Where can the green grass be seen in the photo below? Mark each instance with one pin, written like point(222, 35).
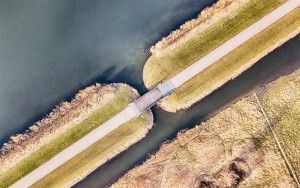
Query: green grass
point(97, 154)
point(164, 67)
point(160, 68)
point(46, 152)
point(223, 70)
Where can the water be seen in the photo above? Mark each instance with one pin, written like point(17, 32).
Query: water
point(51, 49)
point(282, 61)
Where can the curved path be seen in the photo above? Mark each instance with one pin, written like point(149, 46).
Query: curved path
point(149, 99)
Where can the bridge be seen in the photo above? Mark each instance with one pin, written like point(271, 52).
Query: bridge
point(153, 96)
point(146, 101)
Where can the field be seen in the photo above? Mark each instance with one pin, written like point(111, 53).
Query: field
point(235, 148)
point(120, 100)
point(285, 115)
point(160, 68)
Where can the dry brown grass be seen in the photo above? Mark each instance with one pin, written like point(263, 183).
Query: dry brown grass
point(233, 148)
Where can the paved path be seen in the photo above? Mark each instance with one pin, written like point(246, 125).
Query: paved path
point(149, 99)
point(65, 155)
point(233, 43)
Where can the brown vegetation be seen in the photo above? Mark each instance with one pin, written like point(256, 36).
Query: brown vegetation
point(62, 118)
point(197, 43)
point(205, 19)
point(232, 149)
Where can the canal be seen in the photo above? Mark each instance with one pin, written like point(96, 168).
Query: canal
point(51, 49)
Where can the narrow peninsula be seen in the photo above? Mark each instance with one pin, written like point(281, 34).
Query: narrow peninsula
point(214, 26)
point(66, 124)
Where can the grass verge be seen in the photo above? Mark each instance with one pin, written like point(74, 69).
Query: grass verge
point(239, 133)
point(46, 152)
point(97, 154)
point(234, 63)
point(164, 67)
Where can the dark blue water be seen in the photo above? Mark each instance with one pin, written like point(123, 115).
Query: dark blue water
point(51, 49)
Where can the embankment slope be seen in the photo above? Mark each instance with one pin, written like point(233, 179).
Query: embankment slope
point(198, 37)
point(69, 122)
point(232, 149)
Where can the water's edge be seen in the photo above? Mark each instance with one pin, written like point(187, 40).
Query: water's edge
point(52, 49)
point(282, 61)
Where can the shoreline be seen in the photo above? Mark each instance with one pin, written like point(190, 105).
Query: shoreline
point(37, 135)
point(190, 29)
point(234, 134)
point(184, 97)
point(67, 116)
point(205, 19)
point(164, 105)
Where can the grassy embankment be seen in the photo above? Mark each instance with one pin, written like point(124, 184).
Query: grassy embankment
point(97, 154)
point(235, 148)
point(163, 67)
point(94, 155)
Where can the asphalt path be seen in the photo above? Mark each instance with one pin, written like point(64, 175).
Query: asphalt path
point(67, 154)
point(165, 88)
point(233, 43)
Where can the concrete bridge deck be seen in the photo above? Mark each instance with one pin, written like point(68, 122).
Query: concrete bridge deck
point(151, 97)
